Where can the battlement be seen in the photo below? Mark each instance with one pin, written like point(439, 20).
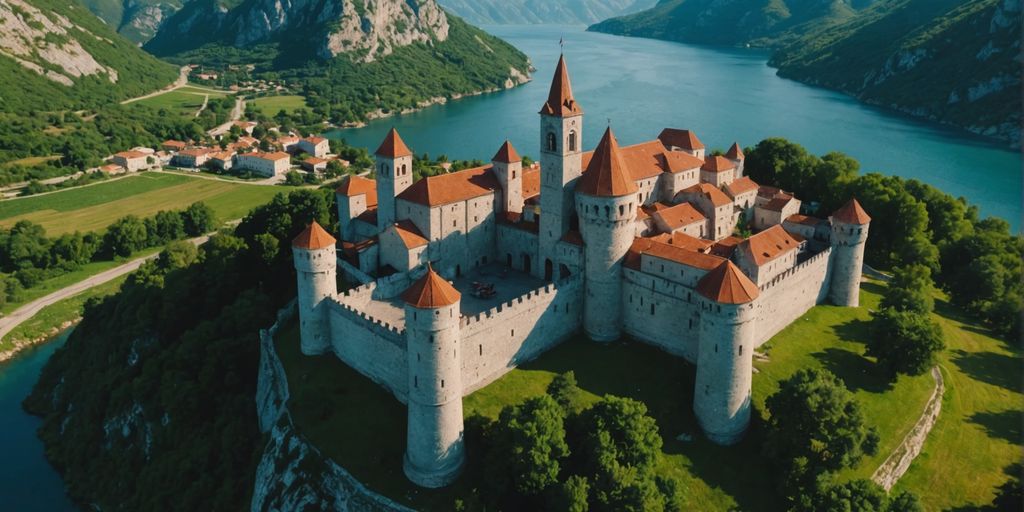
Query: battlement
point(526, 301)
point(812, 261)
point(361, 319)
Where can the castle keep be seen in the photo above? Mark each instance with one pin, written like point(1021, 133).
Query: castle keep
point(468, 274)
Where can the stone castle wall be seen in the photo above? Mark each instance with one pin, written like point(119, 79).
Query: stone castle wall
point(791, 294)
point(496, 341)
point(370, 346)
point(674, 325)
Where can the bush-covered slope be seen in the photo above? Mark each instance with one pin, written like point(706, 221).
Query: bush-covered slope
point(57, 55)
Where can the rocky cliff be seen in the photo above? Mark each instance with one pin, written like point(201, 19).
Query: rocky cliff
point(542, 11)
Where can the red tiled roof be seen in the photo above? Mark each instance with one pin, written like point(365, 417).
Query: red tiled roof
point(357, 185)
point(506, 154)
point(410, 234)
point(666, 251)
point(770, 192)
point(641, 214)
point(851, 213)
point(769, 244)
point(131, 154)
point(196, 152)
point(431, 291)
point(452, 187)
point(531, 182)
point(678, 161)
point(685, 139)
point(174, 143)
point(314, 161)
point(314, 140)
point(313, 237)
point(393, 146)
point(606, 174)
point(692, 243)
point(734, 153)
point(740, 186)
point(717, 197)
point(273, 157)
point(728, 285)
point(726, 246)
point(560, 100)
point(796, 218)
point(369, 216)
point(717, 164)
point(682, 214)
point(778, 203)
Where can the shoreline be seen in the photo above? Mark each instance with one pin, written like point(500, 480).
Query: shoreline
point(21, 345)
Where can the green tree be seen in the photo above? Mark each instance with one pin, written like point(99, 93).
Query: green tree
point(571, 495)
point(565, 391)
point(528, 447)
point(853, 496)
point(178, 254)
point(293, 179)
point(198, 219)
point(904, 341)
point(166, 226)
point(125, 236)
point(910, 289)
point(815, 427)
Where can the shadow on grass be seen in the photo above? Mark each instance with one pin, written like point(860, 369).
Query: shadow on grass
point(856, 371)
point(1009, 496)
point(1004, 425)
point(873, 287)
point(990, 367)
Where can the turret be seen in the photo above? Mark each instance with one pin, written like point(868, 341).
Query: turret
point(355, 195)
point(606, 199)
point(721, 395)
point(316, 262)
point(849, 234)
point(434, 451)
point(735, 154)
point(394, 175)
point(508, 168)
point(561, 162)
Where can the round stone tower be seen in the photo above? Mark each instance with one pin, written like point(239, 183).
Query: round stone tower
point(316, 263)
point(606, 202)
point(721, 395)
point(434, 448)
point(849, 234)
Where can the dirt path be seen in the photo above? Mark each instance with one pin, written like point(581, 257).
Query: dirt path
point(9, 322)
point(206, 100)
point(182, 80)
point(899, 460)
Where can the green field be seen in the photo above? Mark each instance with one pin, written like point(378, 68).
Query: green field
point(49, 318)
point(93, 208)
point(271, 105)
point(184, 100)
point(363, 428)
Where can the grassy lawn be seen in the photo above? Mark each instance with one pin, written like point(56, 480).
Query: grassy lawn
point(54, 315)
point(271, 105)
point(30, 161)
point(363, 427)
point(181, 101)
point(95, 207)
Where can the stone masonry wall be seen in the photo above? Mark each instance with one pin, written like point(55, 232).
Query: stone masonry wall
point(370, 346)
point(661, 313)
point(498, 340)
point(791, 294)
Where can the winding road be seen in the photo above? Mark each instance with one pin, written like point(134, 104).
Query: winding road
point(181, 81)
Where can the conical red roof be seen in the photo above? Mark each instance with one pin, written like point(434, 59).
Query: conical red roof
point(314, 237)
point(506, 154)
point(560, 101)
point(393, 146)
point(727, 284)
point(735, 153)
point(851, 213)
point(431, 291)
point(606, 174)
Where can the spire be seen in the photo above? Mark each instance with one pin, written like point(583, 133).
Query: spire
point(313, 237)
point(431, 291)
point(393, 146)
point(735, 153)
point(506, 154)
point(606, 175)
point(727, 284)
point(851, 213)
point(560, 101)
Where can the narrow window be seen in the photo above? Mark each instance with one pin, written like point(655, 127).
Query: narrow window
point(415, 381)
point(691, 324)
point(481, 347)
point(417, 357)
point(572, 141)
point(513, 174)
point(652, 308)
point(741, 350)
point(716, 348)
point(552, 141)
point(442, 383)
point(513, 333)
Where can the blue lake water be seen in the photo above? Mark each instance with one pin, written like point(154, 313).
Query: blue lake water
point(27, 481)
point(643, 85)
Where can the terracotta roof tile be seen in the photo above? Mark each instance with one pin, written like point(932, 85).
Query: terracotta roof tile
point(734, 153)
point(692, 243)
point(313, 237)
point(393, 146)
point(679, 254)
point(851, 213)
point(717, 197)
point(560, 100)
point(769, 244)
point(274, 157)
point(531, 182)
point(131, 154)
point(685, 139)
point(506, 154)
point(682, 214)
point(678, 161)
point(452, 187)
point(726, 246)
point(606, 174)
point(728, 285)
point(410, 234)
point(740, 186)
point(314, 140)
point(804, 220)
point(778, 203)
point(358, 185)
point(717, 164)
point(431, 291)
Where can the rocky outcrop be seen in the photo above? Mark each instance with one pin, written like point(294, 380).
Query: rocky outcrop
point(292, 473)
point(45, 42)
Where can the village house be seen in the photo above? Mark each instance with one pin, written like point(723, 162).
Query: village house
point(316, 146)
point(264, 164)
point(132, 161)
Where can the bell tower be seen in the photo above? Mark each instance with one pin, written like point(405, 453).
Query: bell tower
point(561, 162)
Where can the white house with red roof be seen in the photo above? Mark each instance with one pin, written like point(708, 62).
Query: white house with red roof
point(264, 164)
point(318, 147)
point(132, 161)
point(493, 265)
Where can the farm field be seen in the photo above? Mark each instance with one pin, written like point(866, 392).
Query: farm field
point(184, 100)
point(271, 105)
point(93, 208)
point(975, 441)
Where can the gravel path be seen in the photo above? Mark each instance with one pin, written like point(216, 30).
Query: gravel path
point(899, 460)
point(182, 80)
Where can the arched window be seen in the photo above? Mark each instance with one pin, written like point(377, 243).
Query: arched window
point(572, 141)
point(552, 142)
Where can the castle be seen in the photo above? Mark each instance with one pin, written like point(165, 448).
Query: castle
point(630, 241)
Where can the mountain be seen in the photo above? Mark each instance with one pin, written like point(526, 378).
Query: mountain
point(731, 22)
point(56, 55)
point(351, 59)
point(542, 11)
point(951, 61)
point(137, 20)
